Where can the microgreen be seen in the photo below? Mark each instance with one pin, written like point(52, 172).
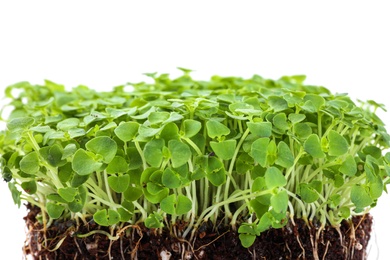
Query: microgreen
point(248, 152)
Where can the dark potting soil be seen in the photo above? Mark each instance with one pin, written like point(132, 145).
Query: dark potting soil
point(137, 242)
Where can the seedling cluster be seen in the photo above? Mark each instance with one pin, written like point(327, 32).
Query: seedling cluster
point(249, 153)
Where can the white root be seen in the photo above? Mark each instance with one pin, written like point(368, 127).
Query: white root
point(165, 255)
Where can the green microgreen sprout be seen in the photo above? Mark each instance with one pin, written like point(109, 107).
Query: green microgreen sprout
point(250, 153)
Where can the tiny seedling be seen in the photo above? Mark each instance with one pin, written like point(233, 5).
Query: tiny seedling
point(248, 153)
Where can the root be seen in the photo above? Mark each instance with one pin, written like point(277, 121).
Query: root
point(326, 250)
point(301, 246)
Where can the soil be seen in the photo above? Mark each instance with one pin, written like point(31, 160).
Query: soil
point(137, 242)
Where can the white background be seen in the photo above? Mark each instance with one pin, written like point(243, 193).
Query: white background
point(343, 45)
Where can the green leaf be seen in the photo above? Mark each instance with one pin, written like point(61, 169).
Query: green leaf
point(277, 103)
point(338, 145)
point(153, 152)
point(30, 187)
point(317, 101)
point(279, 201)
point(171, 179)
point(285, 157)
point(68, 124)
point(106, 217)
point(119, 183)
point(83, 162)
point(15, 193)
point(78, 180)
point(216, 173)
point(260, 129)
point(247, 240)
point(20, 124)
point(76, 132)
point(170, 132)
point(65, 172)
point(302, 130)
point(132, 193)
point(259, 208)
point(265, 222)
point(127, 131)
point(307, 193)
point(296, 118)
point(30, 163)
point(259, 150)
point(117, 165)
point(191, 127)
point(224, 149)
point(79, 200)
point(360, 196)
point(180, 153)
point(348, 167)
point(177, 205)
point(68, 151)
point(154, 221)
point(54, 156)
point(54, 210)
point(68, 193)
point(216, 129)
point(104, 146)
point(280, 121)
point(274, 178)
point(312, 146)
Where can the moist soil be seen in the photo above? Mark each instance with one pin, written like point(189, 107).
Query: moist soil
point(137, 242)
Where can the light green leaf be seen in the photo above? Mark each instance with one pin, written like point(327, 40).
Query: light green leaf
point(224, 149)
point(68, 124)
point(280, 121)
point(104, 146)
point(68, 193)
point(180, 153)
point(261, 129)
point(259, 150)
point(54, 210)
point(348, 167)
point(307, 193)
point(29, 186)
point(171, 179)
point(119, 183)
point(296, 118)
point(117, 165)
point(177, 205)
point(279, 201)
point(191, 127)
point(30, 163)
point(360, 196)
point(216, 129)
point(83, 162)
point(274, 178)
point(247, 240)
point(338, 145)
point(312, 146)
point(153, 152)
point(285, 157)
point(20, 124)
point(132, 193)
point(106, 217)
point(127, 131)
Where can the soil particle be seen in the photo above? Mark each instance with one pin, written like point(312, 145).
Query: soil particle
point(137, 242)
